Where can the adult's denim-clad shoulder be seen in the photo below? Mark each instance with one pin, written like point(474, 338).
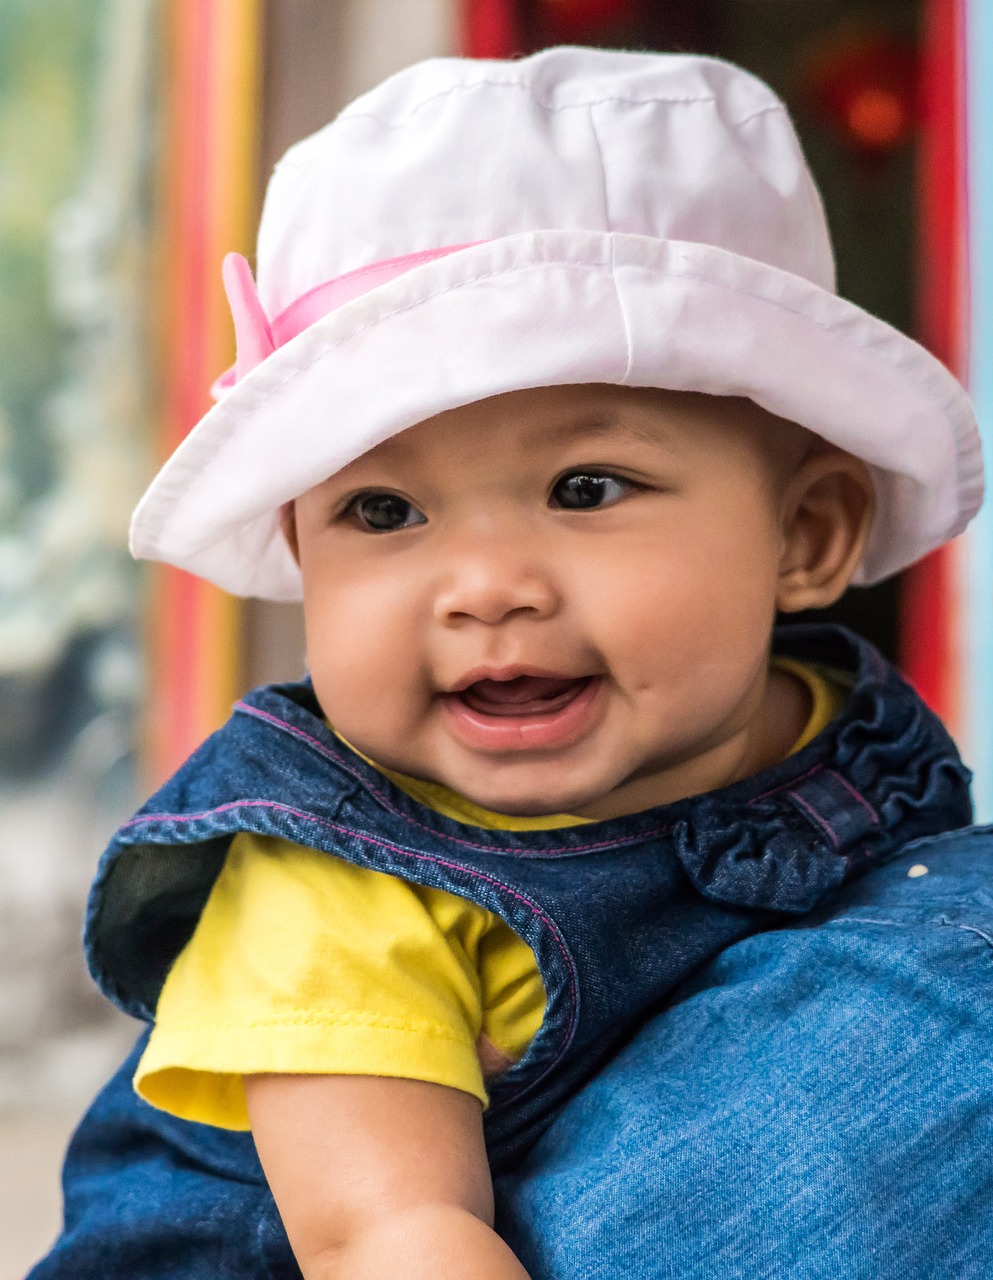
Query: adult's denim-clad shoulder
point(669, 943)
point(815, 1103)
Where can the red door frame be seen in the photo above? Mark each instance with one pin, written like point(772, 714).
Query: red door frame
point(931, 615)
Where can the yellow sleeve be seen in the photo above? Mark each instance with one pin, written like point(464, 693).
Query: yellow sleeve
point(513, 994)
point(303, 963)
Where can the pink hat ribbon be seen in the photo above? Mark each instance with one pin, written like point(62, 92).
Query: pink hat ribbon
point(258, 337)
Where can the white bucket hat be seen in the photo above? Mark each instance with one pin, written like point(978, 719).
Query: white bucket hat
point(470, 228)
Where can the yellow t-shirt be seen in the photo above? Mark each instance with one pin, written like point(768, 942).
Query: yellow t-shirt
point(305, 963)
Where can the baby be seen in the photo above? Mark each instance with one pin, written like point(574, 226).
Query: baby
point(546, 409)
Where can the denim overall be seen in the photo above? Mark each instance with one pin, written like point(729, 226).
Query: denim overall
point(667, 941)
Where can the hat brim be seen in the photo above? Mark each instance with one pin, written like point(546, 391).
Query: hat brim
point(547, 308)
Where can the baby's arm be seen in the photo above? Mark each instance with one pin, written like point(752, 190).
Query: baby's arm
point(376, 1176)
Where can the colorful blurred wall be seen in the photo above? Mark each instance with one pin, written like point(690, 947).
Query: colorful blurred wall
point(77, 160)
point(75, 425)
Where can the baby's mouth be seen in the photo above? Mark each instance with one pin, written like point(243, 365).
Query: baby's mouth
point(538, 711)
point(523, 695)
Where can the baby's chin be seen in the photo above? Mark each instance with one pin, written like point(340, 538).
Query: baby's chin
point(527, 808)
point(529, 802)
point(521, 789)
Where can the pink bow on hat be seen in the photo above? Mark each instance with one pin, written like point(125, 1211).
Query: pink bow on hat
point(257, 337)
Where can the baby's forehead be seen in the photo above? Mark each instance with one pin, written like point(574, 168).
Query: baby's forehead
point(536, 426)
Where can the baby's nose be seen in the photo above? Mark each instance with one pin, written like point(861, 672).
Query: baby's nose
point(493, 585)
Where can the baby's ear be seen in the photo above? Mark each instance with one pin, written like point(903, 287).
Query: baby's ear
point(288, 524)
point(827, 513)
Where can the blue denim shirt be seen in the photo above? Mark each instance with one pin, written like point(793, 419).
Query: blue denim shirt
point(618, 913)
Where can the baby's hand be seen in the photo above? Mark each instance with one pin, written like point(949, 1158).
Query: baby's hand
point(376, 1176)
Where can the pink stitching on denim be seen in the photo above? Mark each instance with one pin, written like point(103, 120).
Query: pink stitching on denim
point(821, 821)
point(857, 795)
point(205, 813)
point(406, 853)
point(787, 785)
point(442, 835)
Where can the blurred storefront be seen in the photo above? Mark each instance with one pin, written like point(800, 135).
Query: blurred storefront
point(75, 427)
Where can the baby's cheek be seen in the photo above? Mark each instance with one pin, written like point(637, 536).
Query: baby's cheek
point(366, 666)
point(658, 613)
point(342, 656)
point(692, 651)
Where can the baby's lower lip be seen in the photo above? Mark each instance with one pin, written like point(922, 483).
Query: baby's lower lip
point(503, 727)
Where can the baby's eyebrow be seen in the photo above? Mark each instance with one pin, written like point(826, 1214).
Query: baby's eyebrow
point(599, 426)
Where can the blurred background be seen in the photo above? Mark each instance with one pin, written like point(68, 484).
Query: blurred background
point(135, 140)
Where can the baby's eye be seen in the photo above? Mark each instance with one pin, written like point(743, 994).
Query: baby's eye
point(584, 490)
point(385, 512)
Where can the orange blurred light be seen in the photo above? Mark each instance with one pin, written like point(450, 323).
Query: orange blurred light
point(877, 118)
point(864, 87)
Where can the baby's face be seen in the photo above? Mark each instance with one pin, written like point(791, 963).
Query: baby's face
point(556, 600)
